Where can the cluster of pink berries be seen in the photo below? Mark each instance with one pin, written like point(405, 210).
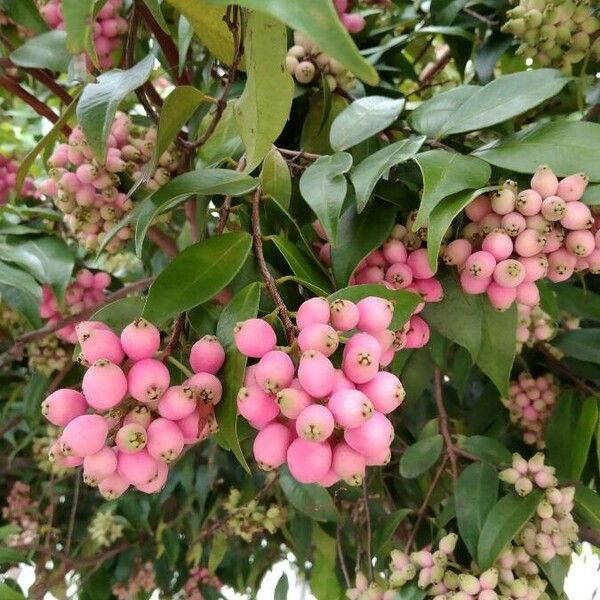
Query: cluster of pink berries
point(21, 510)
point(109, 29)
point(8, 180)
point(530, 402)
point(140, 423)
point(397, 267)
point(353, 22)
point(85, 291)
point(88, 193)
point(365, 590)
point(327, 423)
point(534, 325)
point(141, 579)
point(515, 239)
point(200, 576)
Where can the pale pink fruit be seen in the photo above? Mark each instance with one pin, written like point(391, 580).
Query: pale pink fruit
point(195, 427)
point(509, 273)
point(56, 455)
point(138, 468)
point(271, 445)
point(158, 482)
point(530, 242)
point(457, 252)
point(314, 310)
point(418, 261)
point(207, 388)
point(571, 188)
point(348, 464)
point(315, 423)
point(377, 460)
point(113, 486)
point(375, 314)
point(387, 357)
point(308, 462)
point(528, 294)
point(84, 329)
point(474, 285)
point(478, 208)
point(560, 265)
point(63, 405)
point(399, 275)
point(394, 251)
point(361, 358)
point(274, 371)
point(498, 244)
point(140, 339)
point(385, 391)
point(341, 382)
point(418, 332)
point(580, 243)
point(85, 278)
point(503, 201)
point(316, 374)
point(480, 265)
point(207, 355)
point(386, 339)
point(148, 379)
point(553, 208)
point(529, 202)
point(256, 405)
point(490, 223)
point(99, 466)
point(544, 181)
point(104, 385)
point(431, 289)
point(319, 229)
point(329, 479)
point(535, 267)
point(344, 315)
point(101, 280)
point(320, 337)
point(376, 259)
point(177, 403)
point(373, 437)
point(131, 438)
point(254, 337)
point(292, 402)
point(350, 408)
point(353, 22)
point(139, 414)
point(84, 435)
point(373, 274)
point(102, 344)
point(501, 297)
point(165, 440)
point(513, 223)
point(577, 216)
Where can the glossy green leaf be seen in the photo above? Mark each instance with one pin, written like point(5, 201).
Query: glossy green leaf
point(362, 119)
point(204, 182)
point(385, 532)
point(282, 587)
point(486, 448)
point(244, 305)
point(421, 456)
point(591, 196)
point(503, 522)
point(566, 146)
point(323, 580)
point(369, 171)
point(120, 313)
point(22, 281)
point(26, 13)
point(359, 235)
point(263, 108)
point(323, 186)
point(275, 178)
point(556, 571)
point(45, 51)
point(578, 301)
point(445, 173)
point(310, 499)
point(196, 275)
point(315, 133)
point(587, 506)
point(154, 8)
point(78, 16)
point(445, 11)
point(581, 344)
point(99, 101)
point(410, 591)
point(475, 493)
point(23, 303)
point(219, 547)
point(33, 395)
point(224, 143)
point(502, 99)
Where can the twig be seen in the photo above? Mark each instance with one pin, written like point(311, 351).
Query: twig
point(296, 154)
point(174, 338)
point(257, 238)
point(443, 421)
point(73, 512)
point(425, 504)
point(57, 380)
point(479, 17)
point(583, 387)
point(42, 77)
point(340, 552)
point(429, 72)
point(369, 532)
point(10, 424)
point(163, 241)
point(226, 206)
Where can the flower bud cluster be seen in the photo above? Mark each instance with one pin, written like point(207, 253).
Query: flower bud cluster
point(141, 579)
point(533, 326)
point(21, 510)
point(200, 576)
point(8, 181)
point(106, 528)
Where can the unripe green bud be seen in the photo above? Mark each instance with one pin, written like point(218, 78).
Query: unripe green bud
point(448, 543)
point(547, 32)
point(469, 583)
point(531, 36)
point(516, 27)
point(533, 18)
point(590, 25)
point(510, 476)
point(580, 41)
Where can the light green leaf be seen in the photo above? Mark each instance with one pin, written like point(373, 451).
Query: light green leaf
point(154, 8)
point(120, 313)
point(324, 187)
point(22, 281)
point(385, 532)
point(362, 119)
point(264, 106)
point(44, 51)
point(26, 13)
point(275, 178)
point(196, 275)
point(486, 448)
point(421, 456)
point(6, 592)
point(79, 16)
point(220, 545)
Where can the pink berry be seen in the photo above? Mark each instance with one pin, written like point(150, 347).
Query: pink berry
point(350, 408)
point(394, 251)
point(314, 310)
point(535, 267)
point(101, 281)
point(503, 201)
point(528, 294)
point(315, 423)
point(544, 181)
point(256, 405)
point(376, 259)
point(348, 464)
point(207, 355)
point(148, 379)
point(177, 403)
point(561, 264)
point(513, 223)
point(99, 466)
point(102, 344)
point(84, 435)
point(271, 445)
point(139, 414)
point(138, 468)
point(158, 482)
point(85, 328)
point(206, 388)
point(399, 275)
point(341, 382)
point(580, 243)
point(85, 278)
point(330, 478)
point(131, 438)
point(113, 486)
point(380, 459)
point(571, 188)
point(553, 208)
point(361, 358)
point(474, 285)
point(529, 202)
point(385, 391)
point(344, 315)
point(418, 333)
point(353, 22)
point(373, 437)
point(254, 338)
point(195, 427)
point(165, 440)
point(375, 314)
point(320, 337)
point(418, 261)
point(104, 385)
point(140, 339)
point(577, 216)
point(431, 289)
point(480, 264)
point(509, 273)
point(316, 374)
point(457, 252)
point(501, 297)
point(274, 371)
point(308, 461)
point(498, 244)
point(489, 223)
point(62, 406)
point(292, 402)
point(530, 242)
point(478, 208)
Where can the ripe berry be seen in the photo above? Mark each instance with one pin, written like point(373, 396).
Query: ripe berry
point(99, 466)
point(344, 315)
point(256, 405)
point(418, 261)
point(139, 414)
point(62, 406)
point(113, 486)
point(271, 445)
point(373, 437)
point(314, 310)
point(474, 285)
point(138, 468)
point(399, 275)
point(350, 408)
point(361, 358)
point(292, 402)
point(571, 188)
point(553, 208)
point(104, 385)
point(84, 435)
point(195, 427)
point(418, 333)
point(348, 464)
point(165, 440)
point(316, 374)
point(140, 339)
point(530, 242)
point(480, 264)
point(509, 273)
point(158, 482)
point(457, 252)
point(102, 344)
point(274, 371)
point(254, 338)
point(544, 181)
point(577, 216)
point(501, 297)
point(394, 251)
point(385, 391)
point(177, 403)
point(498, 244)
point(148, 379)
point(315, 423)
point(529, 202)
point(528, 294)
point(207, 355)
point(131, 438)
point(206, 388)
point(478, 208)
point(580, 243)
point(308, 461)
point(375, 314)
point(320, 337)
point(513, 223)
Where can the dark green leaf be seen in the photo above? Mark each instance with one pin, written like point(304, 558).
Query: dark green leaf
point(489, 53)
point(26, 13)
point(44, 51)
point(120, 313)
point(196, 275)
point(578, 301)
point(20, 280)
point(154, 8)
point(580, 343)
point(445, 11)
point(410, 591)
point(556, 571)
point(421, 456)
point(275, 178)
point(171, 543)
point(486, 448)
point(33, 394)
point(281, 589)
point(587, 506)
point(385, 532)
point(220, 545)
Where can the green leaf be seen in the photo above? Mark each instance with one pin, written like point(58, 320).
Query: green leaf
point(404, 302)
point(359, 236)
point(323, 580)
point(475, 494)
point(315, 19)
point(99, 101)
point(244, 305)
point(204, 182)
point(587, 506)
point(445, 11)
point(445, 173)
point(581, 344)
point(591, 195)
point(154, 8)
point(566, 146)
point(569, 434)
point(302, 265)
point(23, 303)
point(504, 521)
point(410, 591)
point(264, 106)
point(26, 13)
point(556, 571)
point(362, 119)
point(578, 301)
point(281, 589)
point(79, 16)
point(486, 448)
point(33, 394)
point(369, 171)
point(323, 187)
point(421, 456)
point(22, 281)
point(506, 97)
point(487, 334)
point(120, 313)
point(224, 143)
point(8, 593)
point(275, 178)
point(45, 51)
point(220, 545)
point(196, 275)
point(310, 499)
point(315, 134)
point(385, 532)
